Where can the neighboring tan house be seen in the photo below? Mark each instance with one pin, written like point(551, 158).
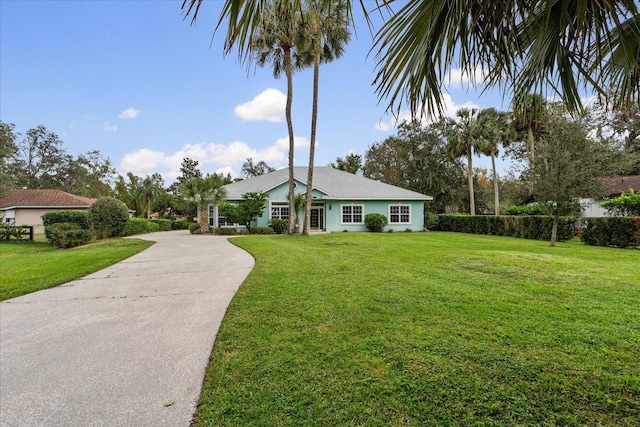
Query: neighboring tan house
point(26, 207)
point(591, 208)
point(340, 200)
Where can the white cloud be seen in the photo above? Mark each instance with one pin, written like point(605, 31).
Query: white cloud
point(109, 127)
point(457, 79)
point(129, 113)
point(268, 106)
point(211, 157)
point(449, 106)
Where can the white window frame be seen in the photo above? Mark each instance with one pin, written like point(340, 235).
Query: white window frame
point(279, 206)
point(399, 213)
point(350, 207)
point(214, 218)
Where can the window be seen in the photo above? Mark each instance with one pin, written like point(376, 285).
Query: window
point(221, 220)
point(399, 214)
point(352, 214)
point(280, 210)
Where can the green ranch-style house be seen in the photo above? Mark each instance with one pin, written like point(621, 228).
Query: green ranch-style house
point(340, 200)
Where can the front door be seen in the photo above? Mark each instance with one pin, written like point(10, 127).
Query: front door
point(316, 219)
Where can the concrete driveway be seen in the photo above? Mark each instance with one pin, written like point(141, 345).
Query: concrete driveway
point(126, 346)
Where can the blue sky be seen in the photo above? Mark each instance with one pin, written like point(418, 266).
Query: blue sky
point(137, 82)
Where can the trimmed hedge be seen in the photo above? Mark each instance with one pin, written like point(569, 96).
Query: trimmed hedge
point(181, 225)
point(163, 224)
point(526, 227)
point(68, 235)
point(619, 231)
point(139, 226)
point(65, 216)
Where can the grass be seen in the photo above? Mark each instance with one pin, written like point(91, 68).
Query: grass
point(29, 266)
point(415, 329)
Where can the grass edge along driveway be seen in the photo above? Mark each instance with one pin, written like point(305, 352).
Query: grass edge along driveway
point(29, 266)
point(414, 329)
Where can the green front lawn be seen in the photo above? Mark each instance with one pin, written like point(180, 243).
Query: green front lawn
point(27, 266)
point(414, 329)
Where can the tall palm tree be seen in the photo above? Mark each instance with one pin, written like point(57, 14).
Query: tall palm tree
point(522, 46)
point(326, 25)
point(275, 41)
point(494, 131)
point(204, 191)
point(530, 115)
point(463, 136)
point(148, 192)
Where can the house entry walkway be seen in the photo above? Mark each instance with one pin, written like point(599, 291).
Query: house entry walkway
point(126, 346)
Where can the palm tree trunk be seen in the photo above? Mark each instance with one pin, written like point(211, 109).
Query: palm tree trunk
point(532, 158)
point(312, 148)
point(289, 71)
point(204, 223)
point(472, 201)
point(554, 231)
point(496, 196)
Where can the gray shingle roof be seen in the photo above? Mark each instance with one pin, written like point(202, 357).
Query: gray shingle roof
point(333, 183)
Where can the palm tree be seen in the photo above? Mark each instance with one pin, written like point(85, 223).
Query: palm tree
point(274, 41)
point(462, 137)
point(522, 46)
point(204, 191)
point(494, 131)
point(148, 192)
point(326, 24)
point(530, 116)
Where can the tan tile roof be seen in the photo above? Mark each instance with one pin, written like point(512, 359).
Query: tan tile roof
point(32, 198)
point(624, 183)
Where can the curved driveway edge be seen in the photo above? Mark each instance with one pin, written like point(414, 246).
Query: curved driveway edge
point(125, 346)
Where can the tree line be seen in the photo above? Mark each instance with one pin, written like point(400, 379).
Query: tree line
point(556, 156)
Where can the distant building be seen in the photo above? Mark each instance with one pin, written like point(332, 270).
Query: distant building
point(26, 206)
point(617, 186)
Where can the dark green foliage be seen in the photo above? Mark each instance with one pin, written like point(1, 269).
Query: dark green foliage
point(430, 220)
point(279, 226)
point(524, 210)
point(68, 235)
point(621, 232)
point(163, 224)
point(8, 232)
point(141, 226)
point(226, 231)
point(181, 225)
point(526, 227)
point(108, 217)
point(261, 230)
point(194, 228)
point(375, 222)
point(68, 216)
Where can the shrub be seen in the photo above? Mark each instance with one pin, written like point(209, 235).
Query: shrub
point(527, 227)
point(163, 224)
point(181, 225)
point(225, 231)
point(430, 220)
point(68, 235)
point(279, 226)
point(375, 222)
point(261, 230)
point(611, 231)
point(194, 228)
point(524, 210)
point(627, 204)
point(140, 226)
point(108, 217)
point(62, 216)
point(8, 232)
